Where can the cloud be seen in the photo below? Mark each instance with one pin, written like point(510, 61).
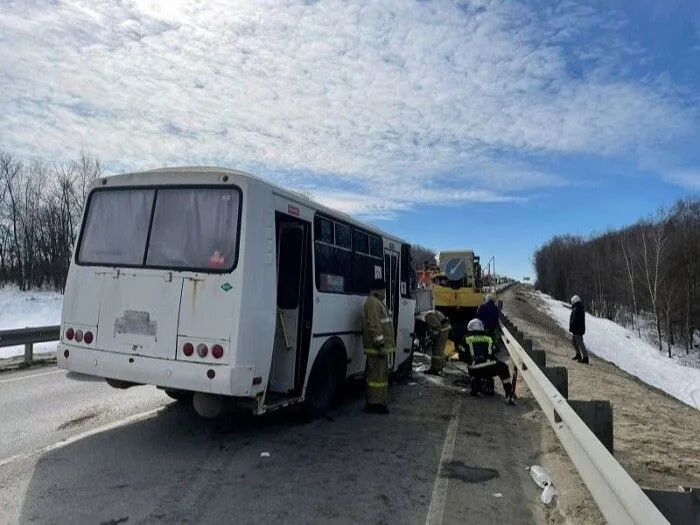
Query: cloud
point(453, 94)
point(385, 205)
point(689, 179)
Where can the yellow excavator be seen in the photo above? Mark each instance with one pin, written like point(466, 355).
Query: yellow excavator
point(457, 290)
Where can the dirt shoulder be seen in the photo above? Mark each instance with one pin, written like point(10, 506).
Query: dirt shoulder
point(656, 437)
point(10, 364)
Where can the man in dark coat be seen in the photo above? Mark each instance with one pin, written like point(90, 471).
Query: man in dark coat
point(488, 314)
point(577, 327)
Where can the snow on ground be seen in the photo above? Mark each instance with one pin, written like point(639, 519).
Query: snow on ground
point(636, 356)
point(28, 309)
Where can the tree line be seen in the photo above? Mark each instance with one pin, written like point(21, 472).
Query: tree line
point(40, 208)
point(651, 268)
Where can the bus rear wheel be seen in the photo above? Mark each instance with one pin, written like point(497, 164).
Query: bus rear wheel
point(323, 383)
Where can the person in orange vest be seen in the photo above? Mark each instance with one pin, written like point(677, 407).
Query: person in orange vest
point(378, 342)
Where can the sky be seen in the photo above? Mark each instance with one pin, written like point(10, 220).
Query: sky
point(491, 125)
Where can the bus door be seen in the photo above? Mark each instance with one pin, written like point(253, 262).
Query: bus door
point(391, 276)
point(293, 310)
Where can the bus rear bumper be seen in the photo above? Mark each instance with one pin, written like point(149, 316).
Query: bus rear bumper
point(228, 380)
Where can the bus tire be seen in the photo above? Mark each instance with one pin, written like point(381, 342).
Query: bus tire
point(179, 395)
point(404, 370)
point(323, 384)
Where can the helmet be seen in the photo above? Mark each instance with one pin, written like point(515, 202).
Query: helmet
point(575, 299)
point(489, 298)
point(475, 325)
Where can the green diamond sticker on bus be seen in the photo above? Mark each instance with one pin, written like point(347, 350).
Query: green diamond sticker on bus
point(226, 287)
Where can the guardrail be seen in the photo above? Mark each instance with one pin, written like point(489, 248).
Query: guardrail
point(29, 336)
point(619, 497)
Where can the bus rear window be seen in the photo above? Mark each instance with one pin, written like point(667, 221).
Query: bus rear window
point(192, 228)
point(116, 228)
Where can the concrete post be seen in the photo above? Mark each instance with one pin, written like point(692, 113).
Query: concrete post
point(598, 417)
point(678, 507)
point(28, 352)
point(559, 377)
point(539, 357)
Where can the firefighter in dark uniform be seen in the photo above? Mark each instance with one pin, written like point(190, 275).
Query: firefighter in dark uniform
point(477, 350)
point(378, 342)
point(438, 331)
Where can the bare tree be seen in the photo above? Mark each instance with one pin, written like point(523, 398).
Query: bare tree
point(630, 258)
point(653, 250)
point(421, 256)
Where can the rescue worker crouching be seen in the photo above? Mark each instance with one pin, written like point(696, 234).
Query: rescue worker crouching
point(477, 350)
point(378, 342)
point(438, 332)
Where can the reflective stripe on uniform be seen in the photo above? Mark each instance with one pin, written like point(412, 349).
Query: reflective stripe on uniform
point(479, 339)
point(378, 338)
point(483, 365)
point(377, 384)
point(385, 320)
point(446, 329)
point(383, 351)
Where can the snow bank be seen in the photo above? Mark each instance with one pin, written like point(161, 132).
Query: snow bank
point(26, 309)
point(636, 356)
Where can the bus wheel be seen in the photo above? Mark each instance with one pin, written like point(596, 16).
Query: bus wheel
point(179, 395)
point(322, 386)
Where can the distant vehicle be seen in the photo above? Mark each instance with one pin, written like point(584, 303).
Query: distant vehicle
point(526, 278)
point(458, 288)
point(217, 286)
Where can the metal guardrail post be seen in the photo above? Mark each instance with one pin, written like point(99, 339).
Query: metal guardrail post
point(619, 498)
point(28, 337)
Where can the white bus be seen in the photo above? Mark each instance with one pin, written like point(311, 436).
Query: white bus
point(215, 285)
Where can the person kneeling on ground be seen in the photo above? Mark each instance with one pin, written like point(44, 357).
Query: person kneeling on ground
point(477, 350)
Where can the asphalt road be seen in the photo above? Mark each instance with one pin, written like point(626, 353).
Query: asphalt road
point(77, 451)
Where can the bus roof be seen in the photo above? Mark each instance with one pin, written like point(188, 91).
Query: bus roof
point(212, 170)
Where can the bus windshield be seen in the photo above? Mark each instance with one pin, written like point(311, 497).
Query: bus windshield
point(188, 229)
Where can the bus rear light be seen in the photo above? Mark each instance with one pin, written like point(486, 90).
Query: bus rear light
point(188, 349)
point(88, 337)
point(211, 374)
point(78, 336)
point(70, 333)
point(257, 380)
point(217, 351)
point(202, 350)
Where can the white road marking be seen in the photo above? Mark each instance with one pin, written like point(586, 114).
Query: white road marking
point(60, 444)
point(3, 381)
point(437, 501)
